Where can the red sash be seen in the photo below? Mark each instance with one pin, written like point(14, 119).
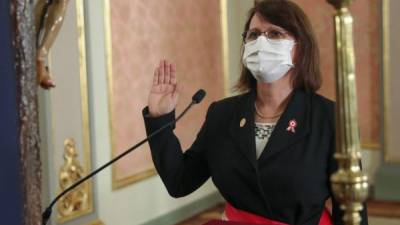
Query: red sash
point(233, 214)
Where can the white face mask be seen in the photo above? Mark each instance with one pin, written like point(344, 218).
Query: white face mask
point(268, 60)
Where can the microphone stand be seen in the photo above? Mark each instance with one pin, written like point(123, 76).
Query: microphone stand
point(47, 213)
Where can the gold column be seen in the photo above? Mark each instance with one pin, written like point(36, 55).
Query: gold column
point(349, 183)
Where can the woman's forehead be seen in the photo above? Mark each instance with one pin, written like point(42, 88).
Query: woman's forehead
point(258, 22)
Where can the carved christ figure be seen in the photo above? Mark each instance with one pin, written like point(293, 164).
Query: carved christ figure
point(51, 21)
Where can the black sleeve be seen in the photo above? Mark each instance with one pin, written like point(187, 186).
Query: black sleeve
point(337, 213)
point(181, 173)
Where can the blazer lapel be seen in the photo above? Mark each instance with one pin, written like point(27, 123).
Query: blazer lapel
point(242, 127)
point(292, 126)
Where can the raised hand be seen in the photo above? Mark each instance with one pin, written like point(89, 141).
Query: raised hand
point(164, 92)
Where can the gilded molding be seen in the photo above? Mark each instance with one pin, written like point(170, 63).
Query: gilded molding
point(76, 202)
point(371, 145)
point(386, 82)
point(116, 183)
point(71, 209)
point(225, 45)
point(96, 222)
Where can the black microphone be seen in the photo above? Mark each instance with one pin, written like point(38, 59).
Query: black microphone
point(47, 213)
point(199, 96)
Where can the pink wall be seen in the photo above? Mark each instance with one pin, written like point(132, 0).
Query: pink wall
point(143, 32)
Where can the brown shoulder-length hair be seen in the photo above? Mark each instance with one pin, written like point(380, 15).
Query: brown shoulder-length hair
point(289, 16)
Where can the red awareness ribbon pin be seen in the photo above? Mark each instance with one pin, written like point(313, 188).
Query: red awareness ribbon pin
point(292, 125)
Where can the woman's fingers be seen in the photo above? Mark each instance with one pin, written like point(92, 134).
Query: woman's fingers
point(173, 74)
point(161, 72)
point(155, 77)
point(167, 72)
point(165, 76)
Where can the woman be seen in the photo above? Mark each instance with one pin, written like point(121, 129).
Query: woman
point(269, 151)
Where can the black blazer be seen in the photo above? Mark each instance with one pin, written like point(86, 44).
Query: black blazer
point(290, 180)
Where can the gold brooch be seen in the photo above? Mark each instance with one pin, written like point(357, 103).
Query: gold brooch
point(242, 122)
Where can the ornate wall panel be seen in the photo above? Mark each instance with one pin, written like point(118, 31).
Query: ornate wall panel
point(391, 80)
point(139, 34)
point(69, 151)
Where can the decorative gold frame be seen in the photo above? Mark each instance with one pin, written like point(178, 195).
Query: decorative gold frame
point(225, 44)
point(84, 106)
point(96, 222)
point(116, 184)
point(386, 79)
point(370, 145)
